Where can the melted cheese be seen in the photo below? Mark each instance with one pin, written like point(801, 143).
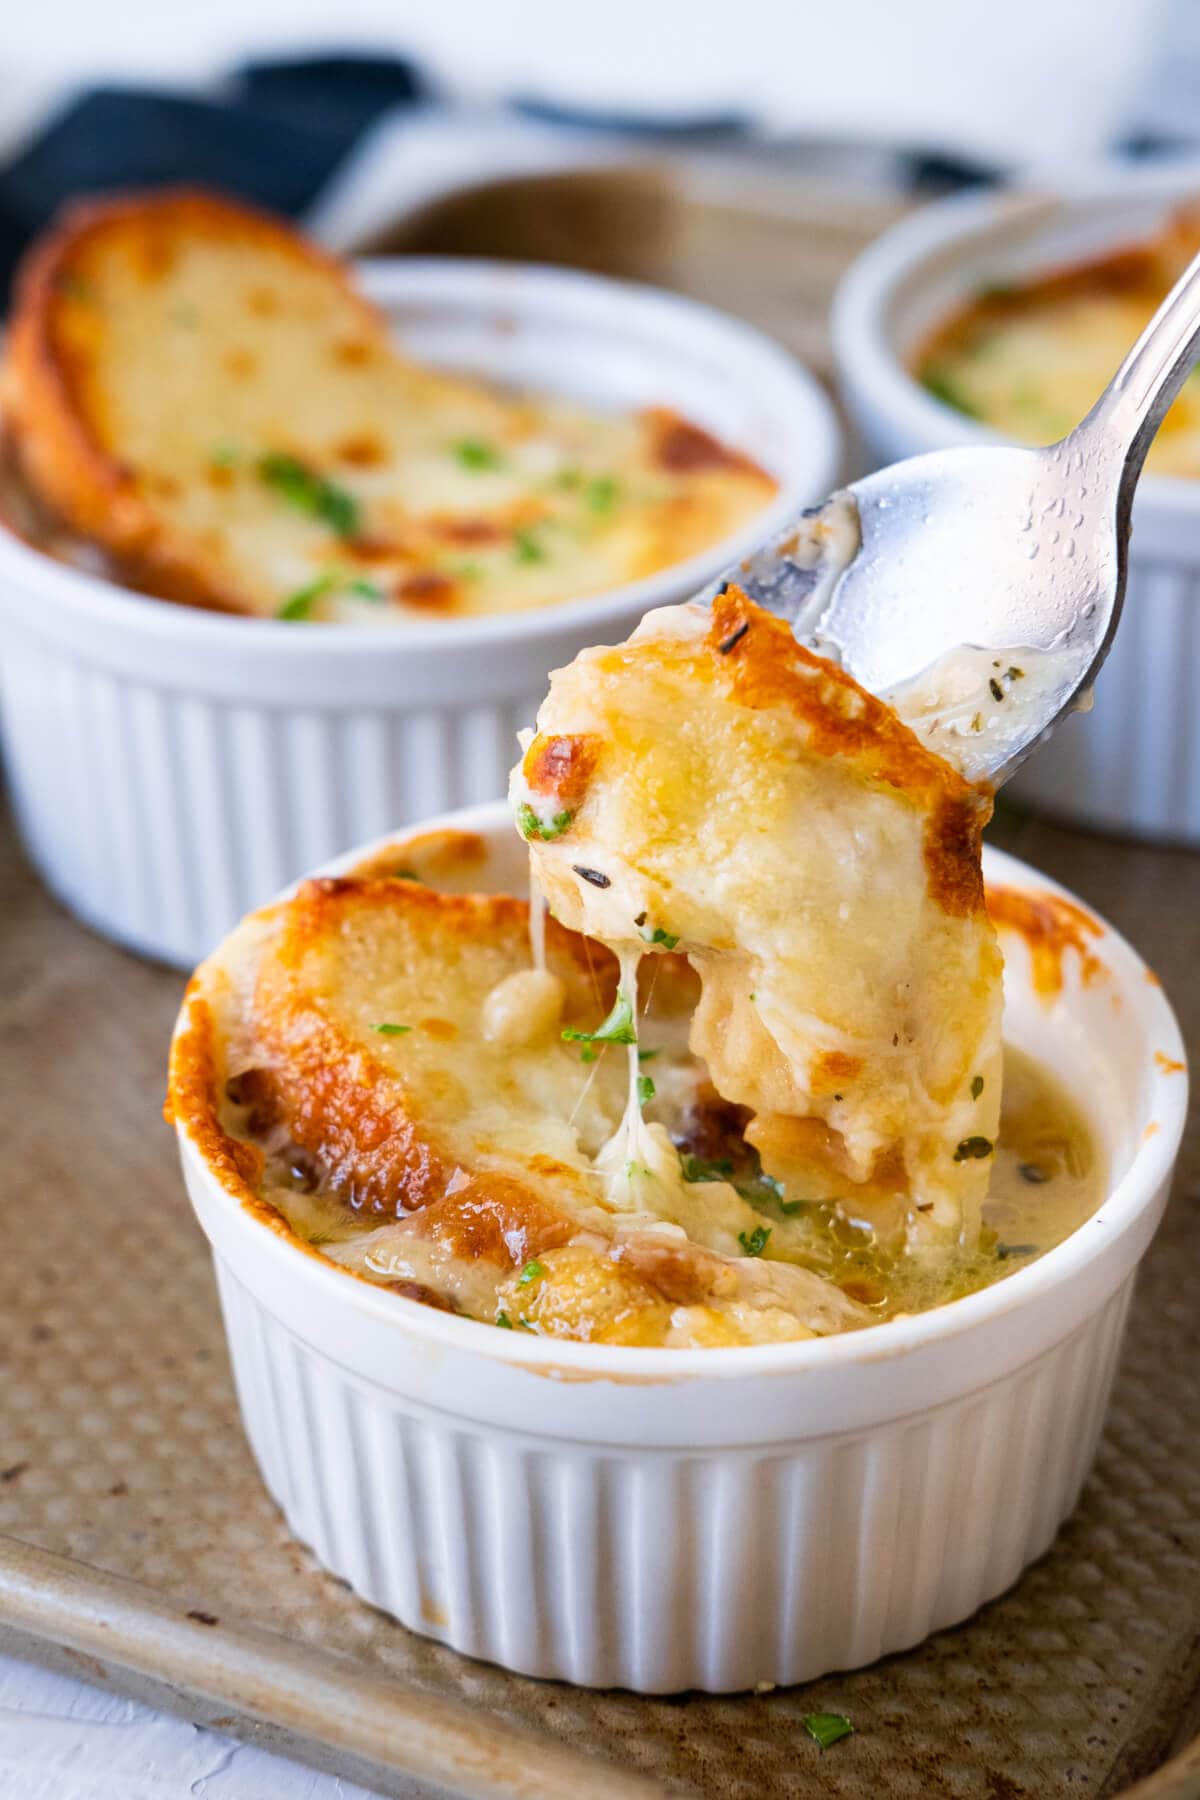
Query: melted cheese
point(821, 870)
point(1030, 359)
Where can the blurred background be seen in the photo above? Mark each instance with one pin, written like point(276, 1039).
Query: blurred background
point(363, 118)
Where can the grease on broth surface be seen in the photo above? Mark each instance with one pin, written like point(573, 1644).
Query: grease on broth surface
point(1048, 1178)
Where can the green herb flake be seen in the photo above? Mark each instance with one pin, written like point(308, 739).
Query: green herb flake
point(618, 1028)
point(645, 1090)
point(994, 688)
point(762, 1187)
point(530, 1272)
point(790, 1208)
point(754, 1242)
point(654, 934)
point(943, 387)
point(310, 493)
point(976, 1087)
point(827, 1728)
point(407, 875)
point(974, 1149)
point(1004, 1251)
point(1015, 674)
point(699, 1168)
point(530, 825)
point(300, 604)
point(474, 454)
point(648, 1055)
point(587, 1054)
point(365, 589)
point(528, 548)
point(600, 495)
point(386, 1030)
point(503, 1321)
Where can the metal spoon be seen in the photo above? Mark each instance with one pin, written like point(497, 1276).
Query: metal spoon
point(978, 590)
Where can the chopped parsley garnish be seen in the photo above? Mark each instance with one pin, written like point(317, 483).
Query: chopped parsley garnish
point(503, 1321)
point(531, 825)
point(473, 453)
point(699, 1168)
point(616, 1029)
point(974, 1148)
point(1004, 1251)
point(645, 1090)
point(1015, 674)
point(648, 1055)
point(600, 495)
point(407, 875)
point(587, 1054)
point(754, 1242)
point(762, 1185)
point(827, 1728)
point(976, 1087)
point(997, 692)
point(530, 1272)
point(528, 548)
point(789, 1208)
point(310, 493)
point(391, 1030)
point(300, 604)
point(943, 387)
point(654, 934)
point(1033, 1173)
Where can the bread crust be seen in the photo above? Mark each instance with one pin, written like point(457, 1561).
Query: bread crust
point(57, 438)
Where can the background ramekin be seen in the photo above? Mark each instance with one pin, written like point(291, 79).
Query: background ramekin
point(660, 1520)
point(1132, 765)
point(172, 768)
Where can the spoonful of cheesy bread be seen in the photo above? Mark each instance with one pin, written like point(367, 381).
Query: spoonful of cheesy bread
point(713, 789)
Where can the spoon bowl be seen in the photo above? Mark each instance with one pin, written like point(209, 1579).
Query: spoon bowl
point(978, 589)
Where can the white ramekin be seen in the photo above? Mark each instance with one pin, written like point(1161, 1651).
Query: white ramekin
point(1133, 764)
point(171, 768)
point(660, 1520)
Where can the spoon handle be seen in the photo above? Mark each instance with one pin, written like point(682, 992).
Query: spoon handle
point(1132, 406)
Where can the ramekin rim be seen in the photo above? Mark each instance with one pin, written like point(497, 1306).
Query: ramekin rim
point(1151, 1166)
point(782, 373)
point(865, 353)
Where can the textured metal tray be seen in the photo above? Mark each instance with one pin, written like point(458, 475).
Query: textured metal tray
point(120, 1450)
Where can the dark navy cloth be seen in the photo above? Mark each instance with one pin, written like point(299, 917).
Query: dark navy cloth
point(273, 134)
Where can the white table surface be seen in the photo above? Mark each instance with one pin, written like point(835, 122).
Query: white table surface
point(61, 1739)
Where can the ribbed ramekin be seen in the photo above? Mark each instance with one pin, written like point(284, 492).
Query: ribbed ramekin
point(1133, 764)
point(172, 768)
point(661, 1520)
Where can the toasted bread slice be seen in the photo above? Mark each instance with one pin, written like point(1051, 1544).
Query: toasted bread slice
point(196, 389)
point(378, 1064)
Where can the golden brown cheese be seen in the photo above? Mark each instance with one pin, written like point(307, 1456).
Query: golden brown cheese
point(206, 398)
point(1030, 358)
point(346, 1071)
point(712, 785)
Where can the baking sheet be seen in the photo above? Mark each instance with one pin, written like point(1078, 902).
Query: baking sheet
point(120, 1450)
